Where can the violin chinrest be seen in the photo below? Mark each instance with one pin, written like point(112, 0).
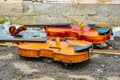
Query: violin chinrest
point(82, 48)
point(91, 25)
point(103, 30)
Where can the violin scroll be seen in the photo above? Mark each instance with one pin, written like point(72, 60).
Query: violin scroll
point(15, 31)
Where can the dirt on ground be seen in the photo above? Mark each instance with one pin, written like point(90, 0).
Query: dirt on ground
point(115, 44)
point(98, 67)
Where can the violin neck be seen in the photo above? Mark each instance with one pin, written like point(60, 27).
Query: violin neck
point(42, 40)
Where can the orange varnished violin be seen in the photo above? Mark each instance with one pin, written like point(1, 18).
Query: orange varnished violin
point(72, 51)
point(69, 51)
point(96, 34)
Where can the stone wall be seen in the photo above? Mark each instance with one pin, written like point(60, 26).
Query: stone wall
point(27, 12)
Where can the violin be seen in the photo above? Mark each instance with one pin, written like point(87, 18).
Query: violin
point(71, 51)
point(96, 34)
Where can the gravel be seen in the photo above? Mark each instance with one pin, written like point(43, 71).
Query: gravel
point(15, 67)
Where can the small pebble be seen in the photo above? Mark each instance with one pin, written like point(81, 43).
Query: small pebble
point(116, 56)
point(48, 60)
point(102, 65)
point(100, 70)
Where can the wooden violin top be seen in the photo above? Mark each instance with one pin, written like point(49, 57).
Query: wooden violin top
point(66, 47)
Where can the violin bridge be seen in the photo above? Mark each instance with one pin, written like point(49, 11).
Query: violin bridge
point(81, 24)
point(57, 40)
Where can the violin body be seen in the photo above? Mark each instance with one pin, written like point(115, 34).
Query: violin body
point(96, 39)
point(73, 51)
point(91, 33)
point(63, 32)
